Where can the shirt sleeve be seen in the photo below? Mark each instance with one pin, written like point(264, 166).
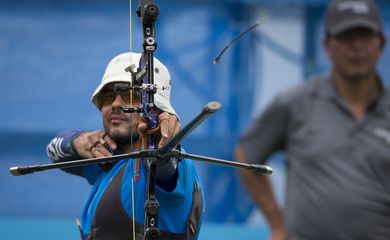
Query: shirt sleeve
point(186, 176)
point(60, 148)
point(267, 133)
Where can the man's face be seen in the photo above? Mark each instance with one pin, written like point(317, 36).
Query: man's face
point(355, 52)
point(118, 125)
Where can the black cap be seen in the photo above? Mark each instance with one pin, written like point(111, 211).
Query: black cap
point(343, 15)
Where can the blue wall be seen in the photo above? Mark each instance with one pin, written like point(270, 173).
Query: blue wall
point(53, 56)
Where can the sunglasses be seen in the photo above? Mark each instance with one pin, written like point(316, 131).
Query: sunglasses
point(108, 97)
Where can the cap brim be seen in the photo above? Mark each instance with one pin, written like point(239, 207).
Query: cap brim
point(95, 96)
point(354, 23)
point(161, 101)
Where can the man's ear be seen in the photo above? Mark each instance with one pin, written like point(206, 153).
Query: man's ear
point(326, 42)
point(383, 41)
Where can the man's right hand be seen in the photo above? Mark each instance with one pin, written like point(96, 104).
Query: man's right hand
point(90, 144)
point(279, 234)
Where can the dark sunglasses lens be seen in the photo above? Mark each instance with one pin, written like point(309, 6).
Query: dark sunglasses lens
point(109, 97)
point(126, 96)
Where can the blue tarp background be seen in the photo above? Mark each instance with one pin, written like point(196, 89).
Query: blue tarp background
point(53, 55)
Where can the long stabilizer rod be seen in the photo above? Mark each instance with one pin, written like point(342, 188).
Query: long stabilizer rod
point(23, 170)
point(207, 110)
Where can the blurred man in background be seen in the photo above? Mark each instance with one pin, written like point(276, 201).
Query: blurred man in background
point(335, 131)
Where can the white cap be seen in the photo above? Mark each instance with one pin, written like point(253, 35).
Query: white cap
point(115, 72)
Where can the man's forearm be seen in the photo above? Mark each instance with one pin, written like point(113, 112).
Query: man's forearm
point(261, 192)
point(167, 173)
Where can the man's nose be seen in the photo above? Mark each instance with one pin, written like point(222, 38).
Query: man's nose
point(118, 101)
point(357, 42)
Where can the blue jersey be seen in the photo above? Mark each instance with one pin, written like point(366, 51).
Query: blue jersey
point(116, 199)
point(175, 206)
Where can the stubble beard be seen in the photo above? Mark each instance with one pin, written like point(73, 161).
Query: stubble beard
point(355, 75)
point(123, 139)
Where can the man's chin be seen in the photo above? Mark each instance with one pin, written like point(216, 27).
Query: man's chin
point(123, 138)
point(357, 75)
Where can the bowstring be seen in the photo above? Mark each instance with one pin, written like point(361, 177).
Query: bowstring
point(131, 118)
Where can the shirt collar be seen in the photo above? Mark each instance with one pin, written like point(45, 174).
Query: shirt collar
point(327, 89)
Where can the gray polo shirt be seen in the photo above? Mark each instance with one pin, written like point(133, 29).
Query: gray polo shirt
point(338, 168)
